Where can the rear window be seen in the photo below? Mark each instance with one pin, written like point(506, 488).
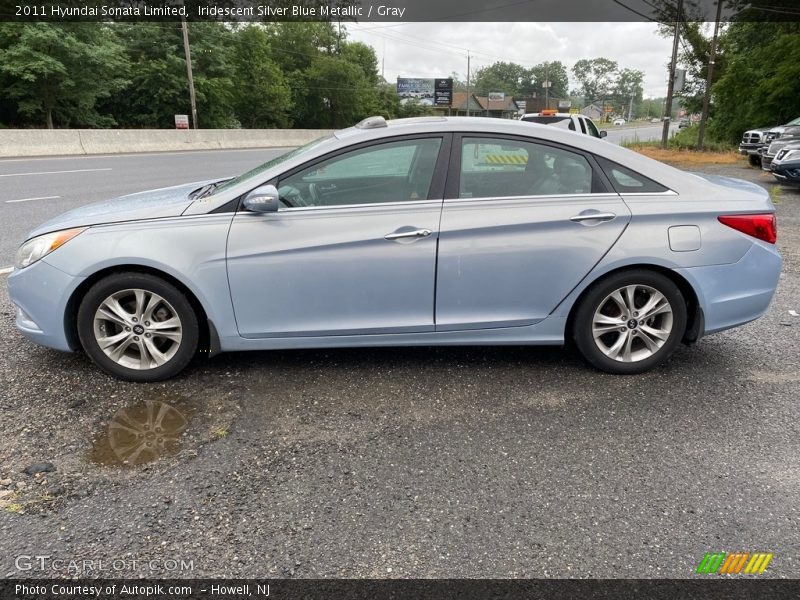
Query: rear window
point(626, 181)
point(551, 120)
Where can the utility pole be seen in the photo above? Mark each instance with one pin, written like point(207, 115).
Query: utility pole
point(547, 85)
point(709, 79)
point(671, 85)
point(468, 92)
point(188, 53)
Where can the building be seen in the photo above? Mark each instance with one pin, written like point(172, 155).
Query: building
point(479, 106)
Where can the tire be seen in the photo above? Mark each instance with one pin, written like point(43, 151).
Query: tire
point(146, 325)
point(754, 160)
point(612, 338)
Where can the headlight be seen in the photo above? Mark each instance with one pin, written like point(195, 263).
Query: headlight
point(41, 246)
point(791, 155)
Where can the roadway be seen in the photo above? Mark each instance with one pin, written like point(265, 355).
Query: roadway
point(33, 190)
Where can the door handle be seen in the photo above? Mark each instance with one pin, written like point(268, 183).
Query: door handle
point(418, 233)
point(595, 216)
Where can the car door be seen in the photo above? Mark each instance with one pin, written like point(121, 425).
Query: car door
point(523, 222)
point(352, 250)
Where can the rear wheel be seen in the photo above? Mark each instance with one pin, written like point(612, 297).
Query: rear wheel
point(630, 322)
point(137, 327)
point(754, 160)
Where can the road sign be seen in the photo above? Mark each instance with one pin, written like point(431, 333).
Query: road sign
point(181, 121)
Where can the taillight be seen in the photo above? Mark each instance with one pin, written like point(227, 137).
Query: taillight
point(763, 227)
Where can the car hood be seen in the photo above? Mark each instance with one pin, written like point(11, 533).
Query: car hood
point(152, 204)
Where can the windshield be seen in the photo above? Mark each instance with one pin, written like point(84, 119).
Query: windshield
point(254, 173)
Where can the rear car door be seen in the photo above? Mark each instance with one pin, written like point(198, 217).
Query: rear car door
point(351, 251)
point(523, 223)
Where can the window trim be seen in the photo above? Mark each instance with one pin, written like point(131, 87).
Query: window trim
point(435, 191)
point(604, 163)
point(600, 183)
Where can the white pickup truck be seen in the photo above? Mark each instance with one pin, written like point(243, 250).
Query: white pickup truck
point(577, 122)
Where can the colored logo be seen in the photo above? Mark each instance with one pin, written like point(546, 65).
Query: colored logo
point(734, 563)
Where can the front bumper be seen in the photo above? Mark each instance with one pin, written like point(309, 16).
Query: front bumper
point(737, 293)
point(748, 149)
point(788, 173)
point(40, 294)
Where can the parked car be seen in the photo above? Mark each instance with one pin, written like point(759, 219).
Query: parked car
point(755, 141)
point(683, 123)
point(786, 165)
point(429, 231)
point(574, 122)
point(790, 135)
point(619, 121)
point(655, 120)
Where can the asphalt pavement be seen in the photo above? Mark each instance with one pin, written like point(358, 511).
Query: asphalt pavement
point(447, 462)
point(33, 190)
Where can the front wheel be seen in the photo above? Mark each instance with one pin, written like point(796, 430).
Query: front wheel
point(137, 327)
point(630, 322)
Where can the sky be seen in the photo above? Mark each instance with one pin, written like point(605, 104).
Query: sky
point(438, 49)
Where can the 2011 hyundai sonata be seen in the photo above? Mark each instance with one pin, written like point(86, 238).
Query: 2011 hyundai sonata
point(411, 232)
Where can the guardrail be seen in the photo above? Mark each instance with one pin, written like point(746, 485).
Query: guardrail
point(67, 142)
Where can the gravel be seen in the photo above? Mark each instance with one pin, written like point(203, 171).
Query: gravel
point(427, 462)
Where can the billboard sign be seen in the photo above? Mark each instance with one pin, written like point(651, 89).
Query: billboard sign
point(425, 91)
point(496, 96)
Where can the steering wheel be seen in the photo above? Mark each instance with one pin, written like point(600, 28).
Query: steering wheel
point(292, 197)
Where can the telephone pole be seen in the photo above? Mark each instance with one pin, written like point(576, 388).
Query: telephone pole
point(468, 94)
point(671, 85)
point(709, 79)
point(188, 54)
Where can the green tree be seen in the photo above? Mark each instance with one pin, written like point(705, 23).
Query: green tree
point(57, 73)
point(595, 78)
point(338, 93)
point(158, 85)
point(761, 84)
point(507, 77)
point(628, 88)
point(554, 72)
point(262, 96)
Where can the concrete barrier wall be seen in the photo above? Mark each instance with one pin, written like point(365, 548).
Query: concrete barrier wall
point(65, 142)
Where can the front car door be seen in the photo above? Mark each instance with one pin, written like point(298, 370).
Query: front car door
point(523, 222)
point(352, 250)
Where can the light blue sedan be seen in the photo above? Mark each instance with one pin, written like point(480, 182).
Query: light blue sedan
point(428, 231)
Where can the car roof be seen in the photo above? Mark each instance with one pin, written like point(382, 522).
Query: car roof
point(664, 174)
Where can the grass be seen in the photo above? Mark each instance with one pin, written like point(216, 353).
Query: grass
point(14, 508)
point(681, 149)
point(219, 432)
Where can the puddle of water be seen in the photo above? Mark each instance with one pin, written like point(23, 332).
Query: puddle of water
point(143, 432)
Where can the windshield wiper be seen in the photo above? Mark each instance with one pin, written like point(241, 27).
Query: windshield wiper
point(203, 191)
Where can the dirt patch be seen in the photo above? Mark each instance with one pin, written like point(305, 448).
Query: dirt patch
point(689, 158)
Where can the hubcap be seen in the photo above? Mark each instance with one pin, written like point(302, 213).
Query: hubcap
point(137, 329)
point(632, 323)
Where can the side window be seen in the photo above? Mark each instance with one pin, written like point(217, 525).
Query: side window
point(626, 181)
point(497, 168)
point(388, 172)
point(592, 128)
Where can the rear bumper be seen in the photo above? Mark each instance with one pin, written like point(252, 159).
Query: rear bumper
point(40, 294)
point(737, 293)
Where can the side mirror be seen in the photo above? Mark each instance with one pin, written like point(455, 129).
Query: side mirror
point(263, 199)
point(603, 133)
